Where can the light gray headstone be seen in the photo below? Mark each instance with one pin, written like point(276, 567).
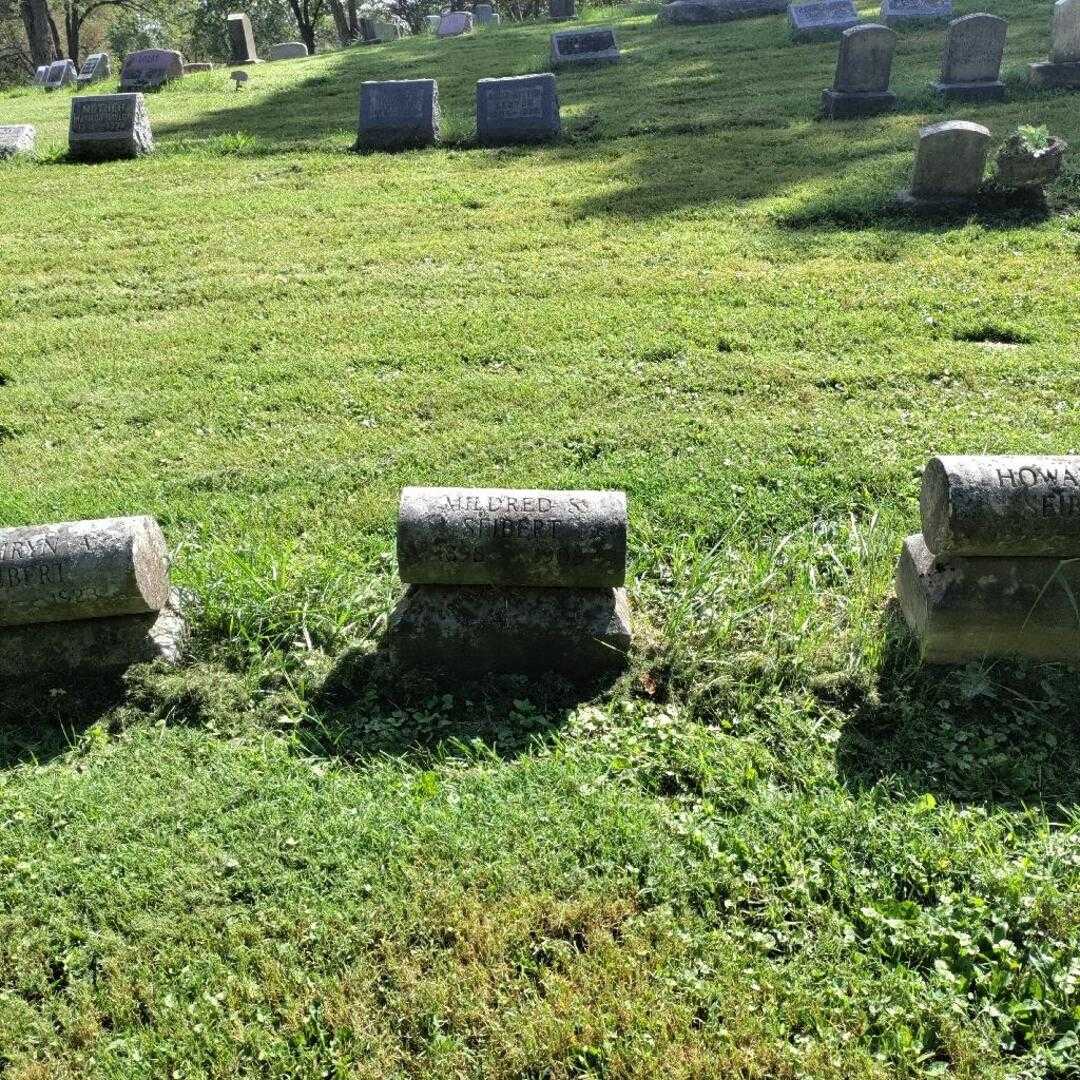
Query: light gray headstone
point(894, 12)
point(1065, 33)
point(16, 139)
point(454, 23)
point(595, 45)
point(971, 62)
point(97, 66)
point(863, 71)
point(432, 22)
point(822, 18)
point(398, 114)
point(241, 39)
point(108, 126)
point(385, 31)
point(950, 160)
point(522, 108)
point(149, 69)
point(288, 50)
point(41, 76)
point(61, 73)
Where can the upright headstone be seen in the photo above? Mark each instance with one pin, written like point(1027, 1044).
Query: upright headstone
point(950, 161)
point(597, 45)
point(518, 109)
point(701, 11)
point(96, 67)
point(398, 114)
point(61, 73)
point(432, 22)
point(385, 31)
point(16, 139)
point(150, 69)
point(512, 581)
point(971, 62)
point(560, 10)
point(898, 12)
point(109, 126)
point(485, 15)
point(241, 40)
point(86, 597)
point(288, 50)
point(1063, 69)
point(454, 23)
point(863, 71)
point(821, 19)
point(41, 76)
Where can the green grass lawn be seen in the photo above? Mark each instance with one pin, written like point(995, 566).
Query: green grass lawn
point(776, 847)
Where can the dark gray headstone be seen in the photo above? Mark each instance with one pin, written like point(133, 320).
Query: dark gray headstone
point(108, 126)
point(61, 73)
point(559, 10)
point(150, 69)
point(519, 109)
point(895, 12)
point(1063, 69)
point(241, 40)
point(485, 15)
point(950, 160)
point(596, 45)
point(863, 71)
point(721, 10)
point(16, 139)
point(823, 18)
point(398, 114)
point(97, 66)
point(971, 62)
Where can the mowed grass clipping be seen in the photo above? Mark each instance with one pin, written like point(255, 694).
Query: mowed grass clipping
point(776, 847)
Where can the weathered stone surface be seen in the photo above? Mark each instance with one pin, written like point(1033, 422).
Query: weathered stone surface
point(498, 536)
point(963, 609)
point(41, 76)
point(1001, 505)
point(432, 22)
point(1063, 69)
point(597, 45)
point(971, 62)
point(385, 31)
point(195, 69)
point(485, 15)
point(863, 71)
point(241, 40)
point(61, 73)
point(150, 69)
point(950, 160)
point(455, 23)
point(17, 139)
point(822, 18)
point(519, 109)
point(109, 126)
point(472, 630)
point(398, 114)
point(559, 10)
point(52, 653)
point(688, 13)
point(96, 67)
point(905, 11)
point(82, 570)
point(288, 50)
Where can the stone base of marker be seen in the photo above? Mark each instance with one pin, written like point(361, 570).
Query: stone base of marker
point(473, 630)
point(970, 608)
point(106, 127)
point(973, 92)
point(1049, 76)
point(836, 105)
point(16, 139)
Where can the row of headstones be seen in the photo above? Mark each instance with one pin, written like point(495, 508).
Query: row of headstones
point(534, 581)
point(458, 21)
point(64, 73)
point(810, 18)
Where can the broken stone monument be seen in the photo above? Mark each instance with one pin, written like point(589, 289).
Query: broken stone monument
point(288, 50)
point(950, 161)
point(971, 62)
point(822, 19)
point(16, 139)
point(61, 73)
point(995, 571)
point(398, 114)
point(863, 71)
point(517, 109)
point(150, 69)
point(241, 40)
point(512, 581)
point(597, 45)
point(105, 127)
point(898, 12)
point(85, 597)
point(1062, 71)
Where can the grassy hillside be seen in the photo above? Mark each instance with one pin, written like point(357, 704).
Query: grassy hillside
point(776, 847)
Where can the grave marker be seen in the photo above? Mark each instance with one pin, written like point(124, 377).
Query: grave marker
point(454, 23)
point(485, 15)
point(108, 126)
point(241, 39)
point(16, 139)
point(971, 62)
point(518, 109)
point(150, 69)
point(950, 161)
point(1062, 71)
point(596, 45)
point(96, 67)
point(897, 12)
point(863, 71)
point(288, 50)
point(41, 76)
point(61, 73)
point(561, 10)
point(398, 114)
point(825, 18)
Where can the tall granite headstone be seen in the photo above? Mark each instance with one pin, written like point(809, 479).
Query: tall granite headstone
point(398, 114)
point(971, 62)
point(950, 160)
point(821, 19)
point(518, 109)
point(596, 45)
point(109, 126)
point(898, 12)
point(150, 69)
point(1062, 71)
point(863, 71)
point(17, 139)
point(241, 39)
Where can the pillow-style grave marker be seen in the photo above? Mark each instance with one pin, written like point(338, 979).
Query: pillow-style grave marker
point(288, 50)
point(561, 10)
point(61, 73)
point(398, 114)
point(16, 139)
point(1063, 69)
point(950, 160)
point(241, 40)
point(97, 66)
point(105, 127)
point(897, 12)
point(971, 62)
point(454, 23)
point(89, 597)
point(825, 18)
point(518, 109)
point(995, 570)
point(863, 71)
point(41, 76)
point(150, 69)
point(512, 581)
point(597, 45)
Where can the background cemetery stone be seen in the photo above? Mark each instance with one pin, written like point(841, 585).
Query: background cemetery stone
point(241, 40)
point(195, 69)
point(971, 62)
point(16, 139)
point(432, 22)
point(150, 69)
point(61, 73)
point(896, 12)
point(108, 126)
point(455, 23)
point(559, 10)
point(950, 160)
point(97, 67)
point(725, 10)
point(385, 31)
point(689, 13)
point(288, 50)
point(596, 45)
point(823, 18)
point(1063, 68)
point(398, 114)
point(863, 71)
point(485, 15)
point(518, 109)
point(41, 76)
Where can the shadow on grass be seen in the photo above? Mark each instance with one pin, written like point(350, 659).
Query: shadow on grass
point(996, 733)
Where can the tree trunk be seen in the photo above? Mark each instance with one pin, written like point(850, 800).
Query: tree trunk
point(354, 22)
point(305, 23)
point(35, 17)
point(341, 22)
point(58, 49)
point(72, 26)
